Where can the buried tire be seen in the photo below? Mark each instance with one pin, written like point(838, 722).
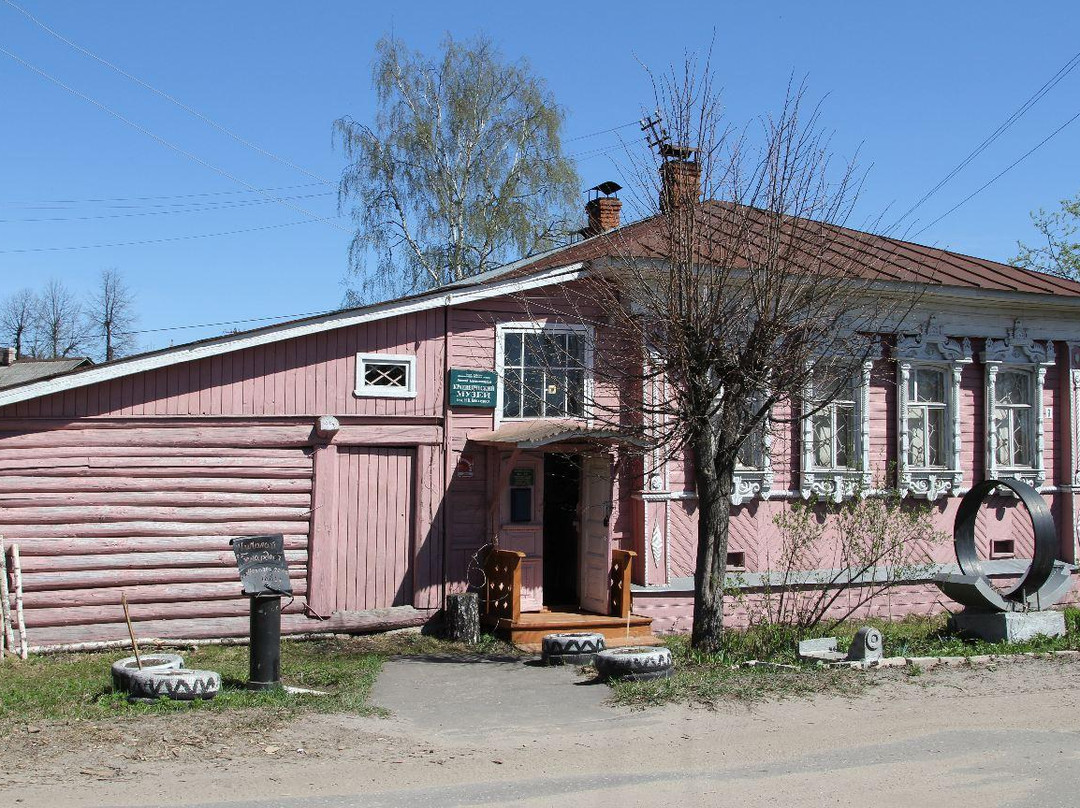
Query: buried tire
point(182, 685)
point(637, 663)
point(572, 648)
point(123, 668)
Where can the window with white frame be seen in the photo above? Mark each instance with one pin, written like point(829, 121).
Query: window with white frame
point(929, 368)
point(1015, 381)
point(832, 425)
point(835, 432)
point(385, 376)
point(544, 371)
point(1013, 419)
point(928, 416)
point(753, 461)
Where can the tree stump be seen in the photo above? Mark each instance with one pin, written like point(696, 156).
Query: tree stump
point(463, 618)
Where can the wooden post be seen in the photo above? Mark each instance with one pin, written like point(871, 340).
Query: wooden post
point(17, 568)
point(7, 636)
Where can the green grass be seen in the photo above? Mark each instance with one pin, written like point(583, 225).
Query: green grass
point(79, 686)
point(710, 678)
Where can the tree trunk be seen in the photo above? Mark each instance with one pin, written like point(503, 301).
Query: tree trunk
point(463, 618)
point(714, 485)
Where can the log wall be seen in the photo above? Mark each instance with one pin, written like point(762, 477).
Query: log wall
point(148, 511)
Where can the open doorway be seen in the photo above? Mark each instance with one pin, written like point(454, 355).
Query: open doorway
point(562, 490)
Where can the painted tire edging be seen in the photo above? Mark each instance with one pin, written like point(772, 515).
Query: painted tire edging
point(182, 685)
point(123, 668)
point(572, 648)
point(637, 663)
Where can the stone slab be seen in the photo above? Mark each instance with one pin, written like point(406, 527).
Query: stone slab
point(1010, 626)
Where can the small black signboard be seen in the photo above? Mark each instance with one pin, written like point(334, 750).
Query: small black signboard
point(261, 560)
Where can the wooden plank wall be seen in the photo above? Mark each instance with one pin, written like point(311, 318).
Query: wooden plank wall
point(312, 375)
point(147, 512)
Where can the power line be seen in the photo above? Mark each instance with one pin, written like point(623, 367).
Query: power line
point(233, 322)
point(578, 137)
point(167, 143)
point(204, 118)
point(999, 175)
point(29, 204)
point(1050, 83)
point(203, 208)
point(165, 240)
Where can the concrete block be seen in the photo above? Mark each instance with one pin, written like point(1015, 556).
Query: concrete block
point(1067, 654)
point(953, 660)
point(890, 662)
point(980, 659)
point(1010, 626)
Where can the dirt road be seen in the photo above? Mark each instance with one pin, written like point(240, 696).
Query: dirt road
point(495, 733)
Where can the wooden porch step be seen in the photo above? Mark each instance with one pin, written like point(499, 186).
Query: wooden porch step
point(528, 632)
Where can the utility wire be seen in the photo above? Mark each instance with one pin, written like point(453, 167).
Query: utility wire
point(999, 175)
point(1050, 83)
point(233, 322)
point(98, 200)
point(204, 208)
point(210, 121)
point(170, 144)
point(165, 240)
point(172, 99)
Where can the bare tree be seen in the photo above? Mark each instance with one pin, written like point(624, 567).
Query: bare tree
point(17, 319)
point(59, 322)
point(110, 316)
point(739, 290)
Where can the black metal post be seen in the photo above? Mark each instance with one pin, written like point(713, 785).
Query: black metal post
point(265, 670)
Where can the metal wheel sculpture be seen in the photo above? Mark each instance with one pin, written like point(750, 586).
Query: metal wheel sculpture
point(1043, 584)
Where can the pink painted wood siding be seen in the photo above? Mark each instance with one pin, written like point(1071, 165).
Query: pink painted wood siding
point(312, 375)
point(102, 512)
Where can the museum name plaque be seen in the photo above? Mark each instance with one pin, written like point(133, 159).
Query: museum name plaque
point(472, 388)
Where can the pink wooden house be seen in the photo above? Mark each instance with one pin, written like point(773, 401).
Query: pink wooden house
point(390, 443)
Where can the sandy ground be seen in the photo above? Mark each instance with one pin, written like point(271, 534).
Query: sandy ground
point(495, 733)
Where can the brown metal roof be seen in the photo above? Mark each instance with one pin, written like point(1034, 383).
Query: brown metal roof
point(877, 257)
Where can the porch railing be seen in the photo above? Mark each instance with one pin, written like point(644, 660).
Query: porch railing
point(502, 592)
point(622, 566)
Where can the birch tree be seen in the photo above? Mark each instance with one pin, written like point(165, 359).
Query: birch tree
point(461, 170)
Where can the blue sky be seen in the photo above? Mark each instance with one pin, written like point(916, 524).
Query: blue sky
point(913, 87)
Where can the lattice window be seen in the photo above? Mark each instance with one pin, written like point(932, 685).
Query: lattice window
point(385, 376)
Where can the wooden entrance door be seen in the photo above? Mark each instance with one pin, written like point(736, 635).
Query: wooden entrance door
point(522, 524)
point(373, 531)
point(595, 539)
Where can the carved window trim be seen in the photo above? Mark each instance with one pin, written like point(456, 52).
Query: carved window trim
point(838, 483)
point(1017, 351)
point(929, 347)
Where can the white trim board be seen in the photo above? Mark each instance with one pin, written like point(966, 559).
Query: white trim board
point(327, 322)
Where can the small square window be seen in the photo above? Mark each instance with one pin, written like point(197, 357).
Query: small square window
point(736, 560)
point(385, 376)
point(1002, 548)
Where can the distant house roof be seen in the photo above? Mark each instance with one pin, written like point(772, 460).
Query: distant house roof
point(32, 370)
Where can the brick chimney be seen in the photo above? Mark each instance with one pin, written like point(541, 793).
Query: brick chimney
point(603, 211)
point(7, 356)
point(680, 182)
